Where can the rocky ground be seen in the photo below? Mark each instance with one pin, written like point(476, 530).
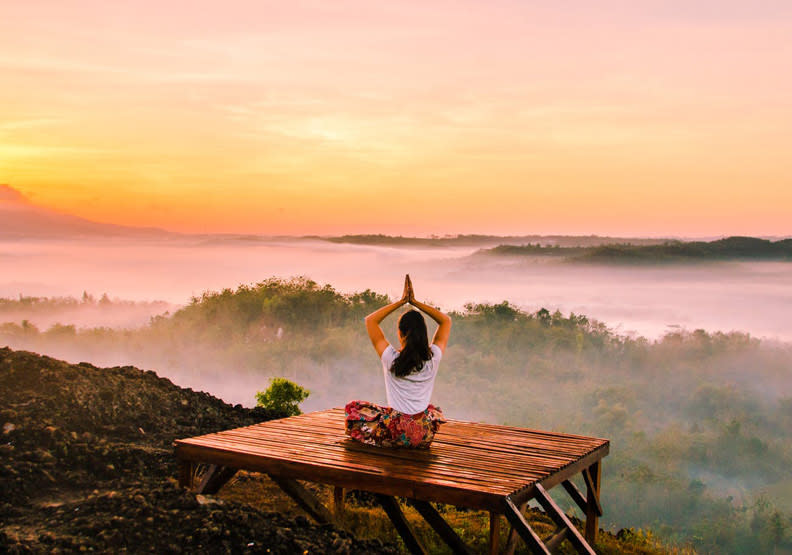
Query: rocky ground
point(86, 464)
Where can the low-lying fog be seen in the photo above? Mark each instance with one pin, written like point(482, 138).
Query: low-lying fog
point(752, 297)
point(699, 423)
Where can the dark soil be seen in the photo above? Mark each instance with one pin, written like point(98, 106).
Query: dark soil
point(86, 464)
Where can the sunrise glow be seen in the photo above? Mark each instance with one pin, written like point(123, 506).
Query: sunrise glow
point(649, 118)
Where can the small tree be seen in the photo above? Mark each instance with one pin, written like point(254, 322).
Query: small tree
point(282, 396)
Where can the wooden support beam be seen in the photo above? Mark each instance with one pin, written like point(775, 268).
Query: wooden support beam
point(576, 496)
point(554, 541)
point(215, 478)
point(186, 469)
point(207, 475)
point(518, 522)
point(436, 521)
point(338, 503)
point(304, 498)
point(561, 520)
point(494, 533)
point(593, 477)
point(591, 487)
point(567, 472)
point(511, 542)
point(401, 524)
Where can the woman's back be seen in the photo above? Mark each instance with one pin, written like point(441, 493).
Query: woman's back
point(409, 420)
point(410, 394)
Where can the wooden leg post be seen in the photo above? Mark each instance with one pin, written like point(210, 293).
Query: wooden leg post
point(593, 478)
point(518, 522)
point(304, 498)
point(433, 518)
point(185, 474)
point(338, 503)
point(214, 479)
point(576, 496)
point(565, 527)
point(399, 521)
point(494, 535)
point(511, 542)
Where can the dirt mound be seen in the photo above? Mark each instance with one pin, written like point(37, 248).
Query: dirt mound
point(86, 463)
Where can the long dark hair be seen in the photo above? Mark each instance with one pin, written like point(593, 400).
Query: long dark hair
point(416, 345)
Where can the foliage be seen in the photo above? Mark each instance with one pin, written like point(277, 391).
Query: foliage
point(38, 305)
point(283, 397)
point(474, 240)
point(700, 422)
point(730, 248)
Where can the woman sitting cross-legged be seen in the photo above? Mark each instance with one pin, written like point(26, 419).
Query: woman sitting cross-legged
point(409, 420)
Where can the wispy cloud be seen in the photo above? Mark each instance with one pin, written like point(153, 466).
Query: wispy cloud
point(31, 122)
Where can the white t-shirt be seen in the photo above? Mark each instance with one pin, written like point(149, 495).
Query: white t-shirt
point(410, 394)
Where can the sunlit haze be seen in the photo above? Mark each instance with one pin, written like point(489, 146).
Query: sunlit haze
point(649, 118)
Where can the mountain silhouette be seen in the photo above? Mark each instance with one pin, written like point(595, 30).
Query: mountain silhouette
point(21, 219)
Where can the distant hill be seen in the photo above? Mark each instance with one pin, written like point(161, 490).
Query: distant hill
point(730, 248)
point(21, 219)
point(486, 240)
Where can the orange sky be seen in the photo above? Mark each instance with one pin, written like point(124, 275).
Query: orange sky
point(403, 117)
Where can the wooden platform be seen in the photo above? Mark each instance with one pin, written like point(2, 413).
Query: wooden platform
point(479, 466)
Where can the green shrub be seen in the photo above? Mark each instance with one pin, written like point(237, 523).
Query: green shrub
point(282, 396)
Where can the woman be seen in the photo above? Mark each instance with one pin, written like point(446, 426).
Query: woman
point(409, 420)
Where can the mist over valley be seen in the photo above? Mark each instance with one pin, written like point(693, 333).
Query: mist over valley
point(647, 300)
point(685, 367)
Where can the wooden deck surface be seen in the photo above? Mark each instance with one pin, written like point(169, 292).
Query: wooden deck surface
point(469, 464)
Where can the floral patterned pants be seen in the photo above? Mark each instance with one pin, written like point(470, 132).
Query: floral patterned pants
point(387, 427)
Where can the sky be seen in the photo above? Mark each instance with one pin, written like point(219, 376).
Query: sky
point(415, 118)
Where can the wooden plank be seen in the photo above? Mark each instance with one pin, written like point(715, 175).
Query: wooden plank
point(487, 481)
point(561, 520)
point(522, 527)
point(461, 456)
point(462, 452)
point(430, 515)
point(282, 448)
point(439, 452)
point(576, 496)
point(494, 437)
point(462, 469)
point(374, 483)
point(592, 498)
point(333, 420)
point(304, 498)
point(469, 464)
point(318, 461)
point(494, 532)
point(401, 524)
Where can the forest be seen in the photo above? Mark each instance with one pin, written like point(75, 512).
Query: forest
point(570, 241)
point(730, 248)
point(700, 422)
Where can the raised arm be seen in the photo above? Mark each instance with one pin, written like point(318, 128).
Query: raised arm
point(443, 320)
point(373, 321)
